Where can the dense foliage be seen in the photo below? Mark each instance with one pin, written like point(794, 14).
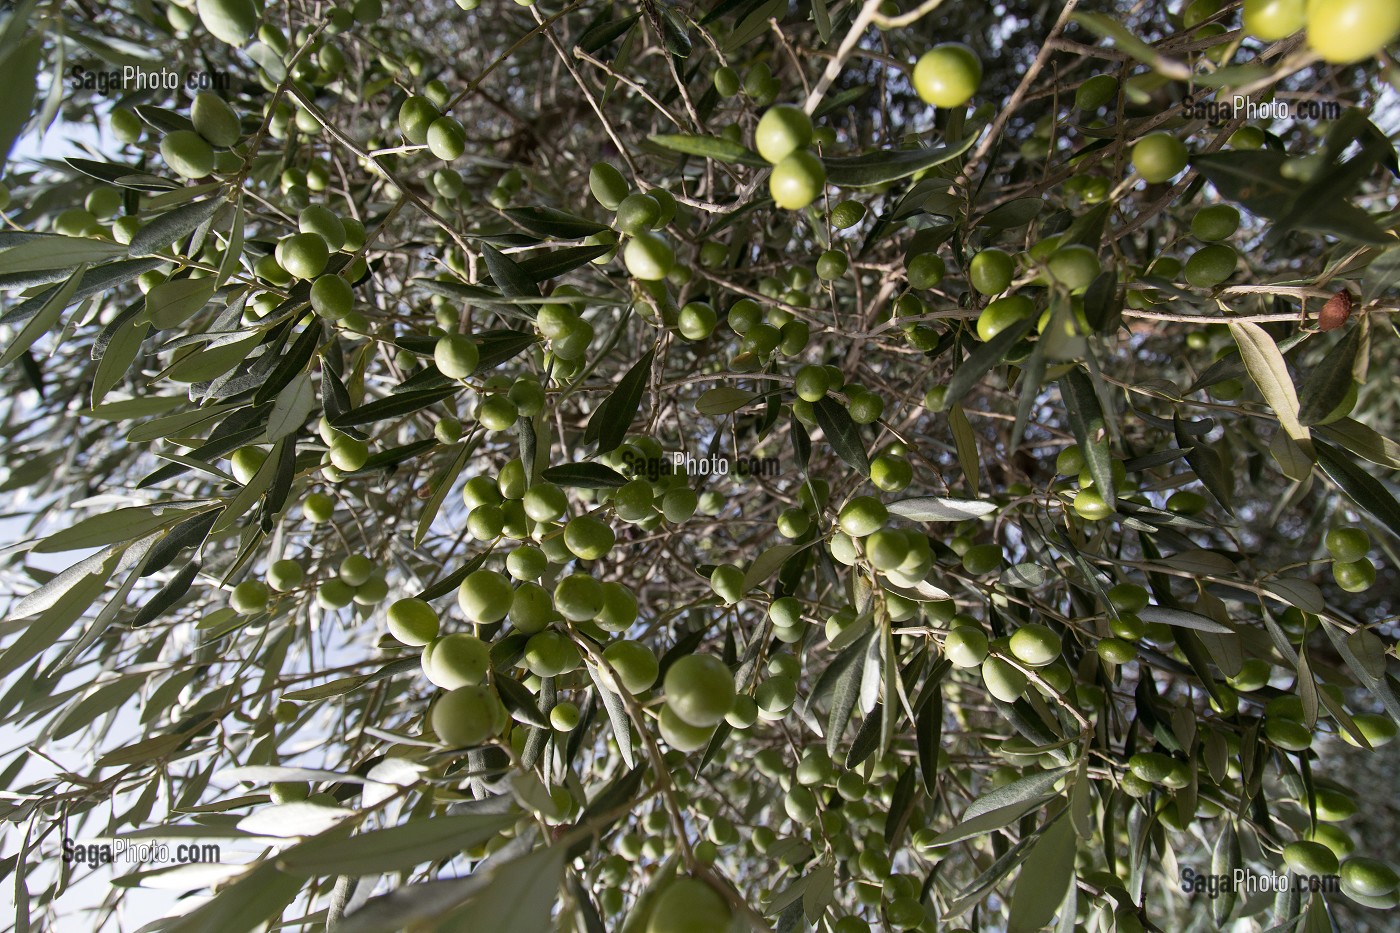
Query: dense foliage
point(675, 467)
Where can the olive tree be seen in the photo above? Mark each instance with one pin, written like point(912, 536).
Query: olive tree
point(665, 467)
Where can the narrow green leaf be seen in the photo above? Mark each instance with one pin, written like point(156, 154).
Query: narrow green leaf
point(253, 900)
point(584, 475)
point(611, 421)
point(938, 509)
point(344, 685)
point(171, 226)
point(1328, 384)
point(294, 404)
point(1182, 619)
point(723, 400)
point(44, 321)
point(980, 361)
point(554, 223)
point(842, 433)
point(124, 337)
point(396, 848)
point(877, 168)
point(709, 147)
point(57, 252)
point(990, 820)
point(20, 71)
point(507, 276)
point(1361, 487)
point(1267, 368)
point(394, 406)
point(1018, 791)
point(928, 735)
point(172, 303)
point(1108, 28)
point(110, 527)
point(767, 564)
point(1045, 878)
point(442, 485)
point(1086, 418)
point(58, 604)
point(543, 266)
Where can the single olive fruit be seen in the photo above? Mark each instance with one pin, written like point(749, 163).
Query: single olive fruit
point(1095, 92)
point(550, 653)
point(1074, 266)
point(862, 515)
point(456, 660)
point(637, 213)
point(726, 81)
point(1271, 20)
point(696, 320)
point(990, 271)
point(485, 596)
point(981, 559)
point(681, 735)
point(607, 185)
point(966, 646)
point(467, 716)
point(1211, 265)
point(1035, 644)
point(332, 297)
point(229, 21)
point(797, 181)
point(356, 569)
point(1347, 544)
point(318, 507)
point(412, 621)
point(1003, 681)
point(847, 214)
point(648, 257)
point(1354, 576)
point(1369, 878)
point(245, 463)
point(348, 454)
point(416, 115)
point(947, 75)
point(1346, 31)
point(1310, 858)
point(579, 597)
point(250, 597)
point(1216, 222)
point(304, 255)
point(334, 594)
point(187, 154)
point(1003, 313)
point(215, 120)
point(588, 538)
point(782, 130)
point(447, 138)
point(699, 689)
point(1159, 157)
point(633, 663)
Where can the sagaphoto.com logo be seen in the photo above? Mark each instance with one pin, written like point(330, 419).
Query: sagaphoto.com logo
point(129, 79)
point(1222, 110)
point(138, 852)
point(1244, 881)
point(653, 468)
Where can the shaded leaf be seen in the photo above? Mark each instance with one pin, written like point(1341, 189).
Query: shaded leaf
point(1045, 878)
point(842, 434)
point(1361, 487)
point(585, 474)
point(709, 147)
point(877, 168)
point(611, 421)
